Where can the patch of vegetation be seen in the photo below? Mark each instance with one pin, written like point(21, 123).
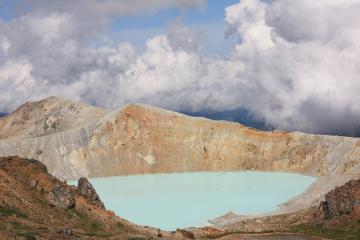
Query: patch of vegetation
point(40, 201)
point(8, 211)
point(94, 227)
point(348, 232)
point(95, 231)
point(78, 215)
point(98, 234)
point(17, 225)
point(28, 235)
point(2, 226)
point(219, 235)
point(120, 225)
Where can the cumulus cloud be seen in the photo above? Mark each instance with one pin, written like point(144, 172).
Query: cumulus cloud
point(305, 71)
point(296, 64)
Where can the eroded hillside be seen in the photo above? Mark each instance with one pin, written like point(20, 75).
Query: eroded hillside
point(36, 205)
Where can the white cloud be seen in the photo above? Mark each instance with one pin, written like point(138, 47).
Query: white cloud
point(96, 13)
point(296, 65)
point(15, 82)
point(247, 19)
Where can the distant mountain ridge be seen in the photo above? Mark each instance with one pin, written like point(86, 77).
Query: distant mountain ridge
point(241, 116)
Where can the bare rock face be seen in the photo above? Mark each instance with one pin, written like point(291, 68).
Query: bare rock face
point(87, 190)
point(62, 197)
point(75, 140)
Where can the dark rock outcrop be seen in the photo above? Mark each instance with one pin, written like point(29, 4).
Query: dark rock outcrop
point(65, 232)
point(62, 197)
point(185, 234)
point(343, 200)
point(87, 190)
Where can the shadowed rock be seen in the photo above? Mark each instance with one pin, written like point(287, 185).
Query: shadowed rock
point(65, 232)
point(87, 190)
point(61, 197)
point(341, 201)
point(185, 234)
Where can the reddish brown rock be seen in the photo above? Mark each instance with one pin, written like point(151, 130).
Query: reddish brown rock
point(86, 189)
point(344, 200)
point(185, 233)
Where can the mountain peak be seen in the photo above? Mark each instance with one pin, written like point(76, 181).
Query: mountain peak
point(47, 116)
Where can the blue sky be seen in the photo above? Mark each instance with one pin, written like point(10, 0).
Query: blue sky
point(5, 10)
point(213, 12)
point(209, 19)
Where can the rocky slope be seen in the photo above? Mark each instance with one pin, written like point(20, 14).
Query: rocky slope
point(338, 216)
point(36, 205)
point(140, 139)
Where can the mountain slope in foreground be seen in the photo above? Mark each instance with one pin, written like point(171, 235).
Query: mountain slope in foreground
point(76, 140)
point(36, 205)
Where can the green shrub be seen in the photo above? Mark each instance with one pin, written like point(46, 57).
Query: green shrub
point(8, 211)
point(28, 235)
point(120, 225)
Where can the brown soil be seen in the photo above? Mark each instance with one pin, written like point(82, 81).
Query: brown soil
point(25, 212)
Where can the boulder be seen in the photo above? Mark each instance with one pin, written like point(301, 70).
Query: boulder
point(32, 183)
point(87, 190)
point(185, 233)
point(65, 232)
point(62, 197)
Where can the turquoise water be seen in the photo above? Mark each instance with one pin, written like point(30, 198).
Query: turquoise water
point(171, 201)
